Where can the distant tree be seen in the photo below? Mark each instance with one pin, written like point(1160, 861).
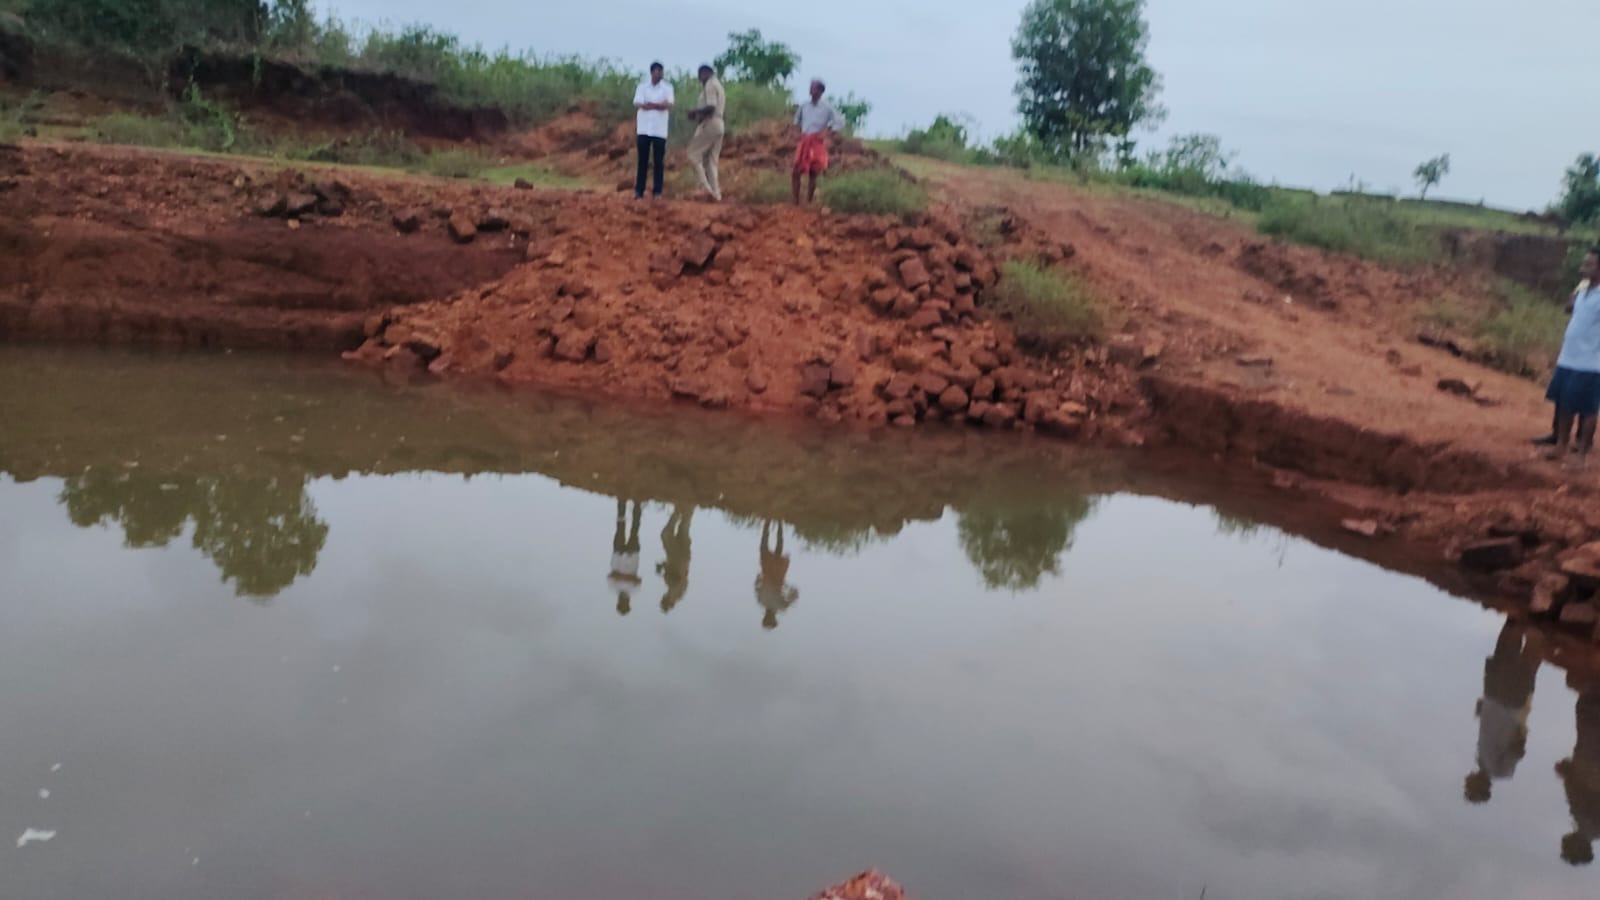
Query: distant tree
point(1083, 75)
point(751, 58)
point(1580, 198)
point(854, 109)
point(1201, 154)
point(1430, 173)
point(946, 139)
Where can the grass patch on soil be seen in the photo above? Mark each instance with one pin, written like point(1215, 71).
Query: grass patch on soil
point(538, 176)
point(1364, 227)
point(1049, 310)
point(1524, 334)
point(765, 189)
point(874, 192)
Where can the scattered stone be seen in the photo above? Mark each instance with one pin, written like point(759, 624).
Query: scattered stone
point(904, 420)
point(866, 346)
point(932, 384)
point(1000, 415)
point(698, 251)
point(926, 319)
point(1492, 555)
point(503, 360)
point(985, 360)
point(756, 380)
point(1580, 615)
point(462, 229)
point(523, 184)
point(1524, 530)
point(739, 358)
point(905, 305)
point(814, 381)
point(602, 350)
point(1549, 593)
point(1255, 362)
point(1152, 352)
point(954, 399)
point(1456, 386)
point(1368, 528)
point(1583, 566)
point(899, 386)
point(913, 274)
point(300, 204)
point(375, 324)
point(539, 250)
point(843, 374)
point(985, 388)
point(906, 360)
point(574, 347)
point(493, 220)
point(408, 221)
point(883, 299)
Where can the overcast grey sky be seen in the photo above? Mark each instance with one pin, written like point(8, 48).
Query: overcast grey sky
point(1309, 92)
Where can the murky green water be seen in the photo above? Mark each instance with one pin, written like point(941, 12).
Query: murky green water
point(269, 632)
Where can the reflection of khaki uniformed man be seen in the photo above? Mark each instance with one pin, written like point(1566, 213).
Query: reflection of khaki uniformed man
point(705, 149)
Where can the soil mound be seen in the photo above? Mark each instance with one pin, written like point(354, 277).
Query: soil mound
point(845, 319)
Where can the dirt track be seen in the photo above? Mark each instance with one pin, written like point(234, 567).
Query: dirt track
point(1279, 357)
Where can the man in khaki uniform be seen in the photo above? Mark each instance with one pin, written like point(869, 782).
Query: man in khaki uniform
point(706, 146)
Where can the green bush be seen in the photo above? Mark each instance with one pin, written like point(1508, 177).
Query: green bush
point(1048, 310)
point(751, 103)
point(140, 131)
point(875, 192)
point(376, 148)
point(766, 189)
point(1366, 227)
point(456, 164)
point(1524, 335)
point(945, 139)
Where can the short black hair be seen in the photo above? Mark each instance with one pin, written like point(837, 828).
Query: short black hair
point(820, 83)
point(655, 65)
point(708, 69)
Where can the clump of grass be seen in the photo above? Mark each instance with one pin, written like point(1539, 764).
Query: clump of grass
point(456, 164)
point(141, 131)
point(766, 189)
point(1444, 315)
point(1050, 311)
point(1361, 226)
point(1524, 335)
point(874, 192)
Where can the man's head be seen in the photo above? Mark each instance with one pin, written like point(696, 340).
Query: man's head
point(657, 72)
point(1591, 265)
point(1577, 850)
point(706, 72)
point(818, 88)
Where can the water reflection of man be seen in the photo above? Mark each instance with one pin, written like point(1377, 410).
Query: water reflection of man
point(1580, 775)
point(674, 570)
point(624, 578)
point(772, 589)
point(1508, 680)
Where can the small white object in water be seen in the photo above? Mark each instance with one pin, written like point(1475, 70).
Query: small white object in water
point(44, 793)
point(196, 861)
point(336, 670)
point(56, 767)
point(34, 835)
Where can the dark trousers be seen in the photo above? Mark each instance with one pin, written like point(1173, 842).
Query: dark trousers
point(649, 146)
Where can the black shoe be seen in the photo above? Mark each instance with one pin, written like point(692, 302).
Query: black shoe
point(1548, 440)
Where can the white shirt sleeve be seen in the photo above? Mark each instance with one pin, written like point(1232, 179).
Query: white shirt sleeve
point(638, 95)
point(672, 93)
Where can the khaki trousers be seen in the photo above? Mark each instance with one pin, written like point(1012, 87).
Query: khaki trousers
point(705, 149)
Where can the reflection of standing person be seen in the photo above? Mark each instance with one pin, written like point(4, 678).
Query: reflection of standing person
point(1580, 775)
point(1508, 680)
point(674, 570)
point(654, 101)
point(624, 577)
point(772, 589)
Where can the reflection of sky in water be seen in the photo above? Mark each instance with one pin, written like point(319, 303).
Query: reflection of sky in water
point(1175, 709)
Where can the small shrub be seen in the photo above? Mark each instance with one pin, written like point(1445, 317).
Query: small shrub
point(140, 131)
point(750, 103)
point(1523, 336)
point(456, 164)
point(1049, 311)
point(766, 189)
point(1444, 315)
point(1365, 227)
point(945, 139)
point(875, 192)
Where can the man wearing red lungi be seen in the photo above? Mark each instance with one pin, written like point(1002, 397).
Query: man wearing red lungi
point(815, 120)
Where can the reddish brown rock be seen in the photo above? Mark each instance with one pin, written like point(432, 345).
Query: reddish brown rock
point(913, 274)
point(494, 220)
point(954, 399)
point(984, 389)
point(932, 383)
point(899, 386)
point(574, 346)
point(756, 380)
point(925, 319)
point(1492, 555)
point(407, 221)
point(985, 360)
point(1580, 615)
point(883, 299)
point(602, 350)
point(1549, 594)
point(1000, 415)
point(462, 229)
point(698, 250)
point(814, 380)
point(843, 374)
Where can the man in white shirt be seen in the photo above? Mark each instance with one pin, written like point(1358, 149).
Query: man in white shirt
point(814, 120)
point(706, 146)
point(653, 100)
point(1575, 389)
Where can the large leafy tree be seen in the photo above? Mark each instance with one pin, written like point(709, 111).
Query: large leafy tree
point(751, 58)
point(1083, 74)
point(1580, 198)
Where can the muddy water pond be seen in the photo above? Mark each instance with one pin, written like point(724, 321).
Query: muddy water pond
point(270, 630)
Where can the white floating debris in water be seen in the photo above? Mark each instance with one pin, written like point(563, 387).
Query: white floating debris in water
point(44, 793)
point(56, 767)
point(336, 670)
point(196, 861)
point(168, 488)
point(34, 835)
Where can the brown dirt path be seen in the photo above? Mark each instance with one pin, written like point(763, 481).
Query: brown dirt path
point(1340, 332)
